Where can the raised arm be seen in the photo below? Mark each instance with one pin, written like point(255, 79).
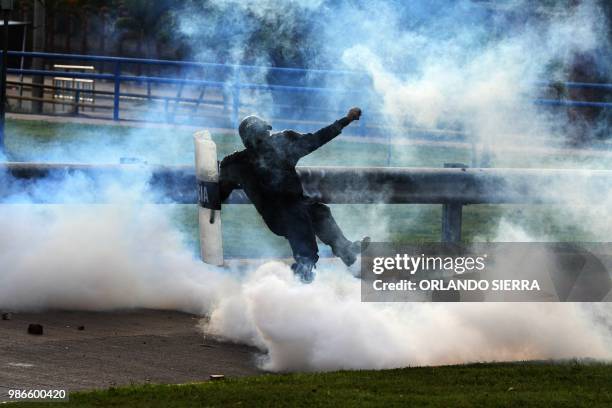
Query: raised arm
point(299, 145)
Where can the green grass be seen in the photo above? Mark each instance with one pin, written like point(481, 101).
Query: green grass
point(34, 140)
point(531, 384)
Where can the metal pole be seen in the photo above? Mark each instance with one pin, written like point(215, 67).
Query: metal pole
point(77, 98)
point(3, 74)
point(117, 93)
point(452, 215)
point(451, 222)
point(21, 64)
point(38, 45)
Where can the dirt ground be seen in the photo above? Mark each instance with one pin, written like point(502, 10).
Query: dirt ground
point(86, 350)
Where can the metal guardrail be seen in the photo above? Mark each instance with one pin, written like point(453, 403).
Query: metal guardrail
point(452, 187)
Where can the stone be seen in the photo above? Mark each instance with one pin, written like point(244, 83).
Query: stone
point(35, 329)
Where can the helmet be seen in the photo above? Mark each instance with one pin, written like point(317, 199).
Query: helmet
point(253, 130)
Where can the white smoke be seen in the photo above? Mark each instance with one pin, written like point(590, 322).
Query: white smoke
point(484, 83)
point(100, 257)
point(324, 326)
point(131, 256)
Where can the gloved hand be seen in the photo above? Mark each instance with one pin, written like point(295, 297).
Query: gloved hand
point(353, 114)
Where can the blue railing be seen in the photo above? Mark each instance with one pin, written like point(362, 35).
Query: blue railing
point(231, 73)
point(235, 78)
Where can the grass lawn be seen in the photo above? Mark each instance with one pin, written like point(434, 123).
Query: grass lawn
point(44, 141)
point(505, 384)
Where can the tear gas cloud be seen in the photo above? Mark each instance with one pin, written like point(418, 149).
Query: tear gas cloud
point(131, 256)
point(439, 64)
point(431, 64)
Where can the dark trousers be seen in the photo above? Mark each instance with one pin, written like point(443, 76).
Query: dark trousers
point(306, 219)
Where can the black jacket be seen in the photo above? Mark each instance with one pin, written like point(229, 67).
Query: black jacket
point(267, 173)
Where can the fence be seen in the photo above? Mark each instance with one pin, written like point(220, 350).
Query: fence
point(230, 80)
point(310, 94)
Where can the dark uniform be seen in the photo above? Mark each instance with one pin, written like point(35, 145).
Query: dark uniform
point(266, 171)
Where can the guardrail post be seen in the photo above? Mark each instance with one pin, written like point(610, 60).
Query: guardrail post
point(452, 215)
point(117, 79)
point(451, 222)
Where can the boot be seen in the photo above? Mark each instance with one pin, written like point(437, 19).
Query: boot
point(302, 268)
point(349, 253)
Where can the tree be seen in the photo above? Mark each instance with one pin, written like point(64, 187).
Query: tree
point(148, 22)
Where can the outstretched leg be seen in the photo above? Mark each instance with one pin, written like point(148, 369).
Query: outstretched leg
point(326, 227)
point(330, 233)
